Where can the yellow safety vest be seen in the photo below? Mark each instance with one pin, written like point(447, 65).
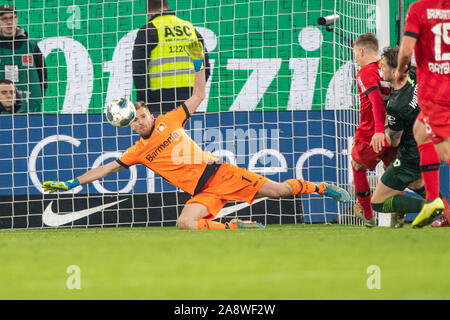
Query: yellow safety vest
point(170, 66)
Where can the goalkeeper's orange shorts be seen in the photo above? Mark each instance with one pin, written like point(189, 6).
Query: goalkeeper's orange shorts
point(229, 183)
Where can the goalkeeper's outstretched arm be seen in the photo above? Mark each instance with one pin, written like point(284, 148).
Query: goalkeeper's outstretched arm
point(85, 178)
point(195, 51)
point(99, 172)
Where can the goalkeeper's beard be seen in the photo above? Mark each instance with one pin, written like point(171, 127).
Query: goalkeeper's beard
point(144, 132)
point(143, 128)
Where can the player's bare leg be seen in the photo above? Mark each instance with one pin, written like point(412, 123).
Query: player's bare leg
point(274, 190)
point(420, 133)
point(383, 192)
point(416, 185)
point(443, 148)
point(193, 217)
point(190, 215)
point(388, 200)
point(290, 187)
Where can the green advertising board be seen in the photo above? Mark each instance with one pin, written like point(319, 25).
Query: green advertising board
point(265, 55)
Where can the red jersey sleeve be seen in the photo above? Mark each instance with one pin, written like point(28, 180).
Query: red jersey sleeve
point(368, 81)
point(378, 109)
point(412, 24)
point(372, 109)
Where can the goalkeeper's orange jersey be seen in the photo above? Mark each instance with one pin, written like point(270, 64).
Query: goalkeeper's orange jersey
point(170, 152)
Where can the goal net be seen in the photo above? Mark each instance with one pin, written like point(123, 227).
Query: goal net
point(355, 18)
point(280, 101)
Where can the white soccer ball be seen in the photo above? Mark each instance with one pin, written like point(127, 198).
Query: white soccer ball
point(120, 113)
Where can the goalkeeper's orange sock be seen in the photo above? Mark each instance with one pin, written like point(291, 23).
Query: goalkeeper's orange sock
point(300, 186)
point(204, 224)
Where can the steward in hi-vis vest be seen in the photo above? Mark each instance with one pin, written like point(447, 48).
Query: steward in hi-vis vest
point(163, 73)
point(21, 62)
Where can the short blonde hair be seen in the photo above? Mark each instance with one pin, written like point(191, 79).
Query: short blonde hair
point(367, 40)
point(140, 104)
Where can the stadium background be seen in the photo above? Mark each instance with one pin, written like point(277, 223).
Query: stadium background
point(88, 56)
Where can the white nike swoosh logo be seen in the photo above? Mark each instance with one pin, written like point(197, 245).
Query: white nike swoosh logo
point(236, 207)
point(53, 220)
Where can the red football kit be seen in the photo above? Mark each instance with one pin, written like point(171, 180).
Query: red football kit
point(372, 120)
point(428, 21)
point(372, 93)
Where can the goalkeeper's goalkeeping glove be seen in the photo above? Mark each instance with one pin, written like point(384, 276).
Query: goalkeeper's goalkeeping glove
point(195, 50)
point(53, 186)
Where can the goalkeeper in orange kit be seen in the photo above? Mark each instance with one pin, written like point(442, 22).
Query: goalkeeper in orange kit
point(165, 148)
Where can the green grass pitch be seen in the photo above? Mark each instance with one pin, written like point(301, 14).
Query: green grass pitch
point(279, 262)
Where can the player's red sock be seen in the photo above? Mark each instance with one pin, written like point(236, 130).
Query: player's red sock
point(300, 186)
point(429, 166)
point(362, 189)
point(212, 225)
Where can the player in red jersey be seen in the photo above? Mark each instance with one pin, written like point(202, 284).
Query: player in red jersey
point(370, 146)
point(427, 34)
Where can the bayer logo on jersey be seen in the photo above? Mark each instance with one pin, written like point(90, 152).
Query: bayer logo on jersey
point(160, 128)
point(120, 112)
